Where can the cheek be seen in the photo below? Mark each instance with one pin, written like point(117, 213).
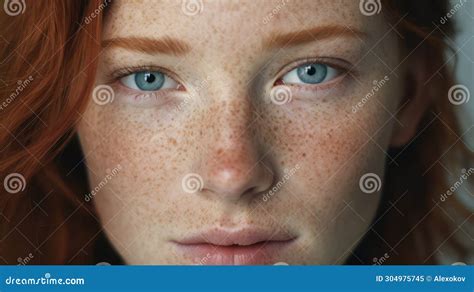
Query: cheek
point(147, 148)
point(115, 135)
point(333, 149)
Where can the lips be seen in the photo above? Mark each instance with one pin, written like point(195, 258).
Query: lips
point(246, 246)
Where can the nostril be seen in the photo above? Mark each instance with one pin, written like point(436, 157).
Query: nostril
point(254, 190)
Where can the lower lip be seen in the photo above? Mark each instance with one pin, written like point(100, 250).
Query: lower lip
point(262, 253)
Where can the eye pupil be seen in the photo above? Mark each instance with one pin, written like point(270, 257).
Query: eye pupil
point(310, 70)
point(149, 77)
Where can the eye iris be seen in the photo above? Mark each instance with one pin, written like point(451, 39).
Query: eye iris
point(149, 81)
point(312, 73)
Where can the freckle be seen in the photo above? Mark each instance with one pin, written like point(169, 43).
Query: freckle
point(172, 141)
point(304, 154)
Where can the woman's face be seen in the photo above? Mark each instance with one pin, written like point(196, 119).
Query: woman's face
point(239, 132)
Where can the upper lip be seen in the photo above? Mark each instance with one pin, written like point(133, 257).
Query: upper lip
point(243, 236)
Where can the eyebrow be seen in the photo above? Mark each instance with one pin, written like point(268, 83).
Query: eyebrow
point(312, 34)
point(172, 46)
point(165, 45)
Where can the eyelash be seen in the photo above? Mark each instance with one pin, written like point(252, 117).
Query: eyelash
point(123, 72)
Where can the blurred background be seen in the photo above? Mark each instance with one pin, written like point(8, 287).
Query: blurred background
point(464, 48)
point(464, 45)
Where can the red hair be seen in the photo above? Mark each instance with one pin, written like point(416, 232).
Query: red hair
point(59, 51)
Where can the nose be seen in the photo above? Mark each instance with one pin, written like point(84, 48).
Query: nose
point(235, 165)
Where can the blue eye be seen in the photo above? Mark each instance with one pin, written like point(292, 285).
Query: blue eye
point(311, 73)
point(148, 81)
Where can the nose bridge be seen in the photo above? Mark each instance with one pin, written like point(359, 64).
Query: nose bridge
point(231, 111)
point(235, 117)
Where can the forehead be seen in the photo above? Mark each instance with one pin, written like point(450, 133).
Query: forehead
point(228, 20)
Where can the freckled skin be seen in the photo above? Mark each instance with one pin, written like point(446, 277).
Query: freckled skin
point(234, 138)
